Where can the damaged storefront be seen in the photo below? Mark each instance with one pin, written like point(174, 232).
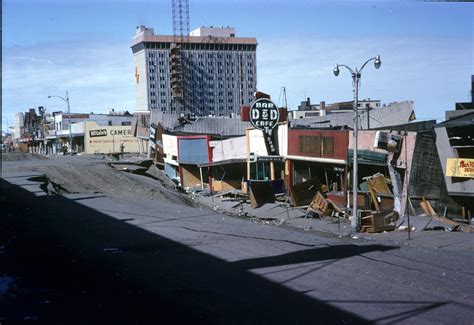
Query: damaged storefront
point(317, 156)
point(455, 147)
point(140, 129)
point(170, 156)
point(265, 153)
point(228, 164)
point(384, 162)
point(194, 151)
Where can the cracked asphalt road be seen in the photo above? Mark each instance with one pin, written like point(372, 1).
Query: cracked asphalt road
point(123, 255)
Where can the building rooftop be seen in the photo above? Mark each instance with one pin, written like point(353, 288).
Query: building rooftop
point(213, 31)
point(200, 35)
point(393, 114)
point(217, 126)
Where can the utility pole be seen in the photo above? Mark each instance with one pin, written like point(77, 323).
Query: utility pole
point(69, 122)
point(368, 117)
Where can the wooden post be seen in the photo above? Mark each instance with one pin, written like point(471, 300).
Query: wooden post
point(247, 146)
point(209, 173)
point(287, 173)
point(200, 174)
point(272, 170)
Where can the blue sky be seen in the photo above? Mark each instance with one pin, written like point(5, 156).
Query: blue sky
point(83, 46)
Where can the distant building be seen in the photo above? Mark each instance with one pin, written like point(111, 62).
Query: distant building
point(19, 124)
point(29, 127)
point(62, 120)
point(76, 125)
point(220, 71)
point(392, 114)
point(307, 109)
point(461, 109)
point(31, 123)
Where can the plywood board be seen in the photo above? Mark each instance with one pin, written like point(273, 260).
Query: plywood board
point(261, 193)
point(303, 193)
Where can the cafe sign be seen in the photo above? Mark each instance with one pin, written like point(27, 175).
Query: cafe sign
point(460, 167)
point(264, 114)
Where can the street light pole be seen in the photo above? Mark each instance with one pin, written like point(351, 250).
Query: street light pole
point(66, 100)
point(355, 219)
point(69, 122)
point(356, 75)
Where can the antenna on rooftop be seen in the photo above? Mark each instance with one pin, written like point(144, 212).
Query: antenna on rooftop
point(283, 90)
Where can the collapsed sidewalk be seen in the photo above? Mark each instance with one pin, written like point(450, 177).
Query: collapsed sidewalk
point(320, 214)
point(427, 232)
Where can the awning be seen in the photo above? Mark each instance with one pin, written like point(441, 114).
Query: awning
point(224, 162)
point(318, 159)
point(368, 157)
point(241, 160)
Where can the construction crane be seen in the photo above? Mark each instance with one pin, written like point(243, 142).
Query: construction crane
point(181, 69)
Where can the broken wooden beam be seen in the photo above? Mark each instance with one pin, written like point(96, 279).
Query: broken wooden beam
point(461, 226)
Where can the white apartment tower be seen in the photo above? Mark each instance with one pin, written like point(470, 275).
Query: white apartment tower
point(219, 71)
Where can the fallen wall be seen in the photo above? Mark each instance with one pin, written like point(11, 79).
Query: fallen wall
point(426, 176)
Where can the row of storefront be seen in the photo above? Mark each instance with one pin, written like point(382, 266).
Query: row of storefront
point(60, 133)
point(219, 162)
point(227, 154)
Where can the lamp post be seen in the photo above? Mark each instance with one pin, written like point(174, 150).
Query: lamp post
point(356, 75)
point(66, 100)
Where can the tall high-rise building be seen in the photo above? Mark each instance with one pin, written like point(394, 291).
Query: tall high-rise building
point(209, 72)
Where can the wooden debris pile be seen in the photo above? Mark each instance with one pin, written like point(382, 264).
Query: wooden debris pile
point(379, 192)
point(429, 211)
point(324, 207)
point(372, 221)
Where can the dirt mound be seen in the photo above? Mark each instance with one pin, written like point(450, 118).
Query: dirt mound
point(98, 177)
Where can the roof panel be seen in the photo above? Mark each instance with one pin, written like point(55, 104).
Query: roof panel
point(391, 115)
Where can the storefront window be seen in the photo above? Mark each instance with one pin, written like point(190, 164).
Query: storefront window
point(328, 146)
point(316, 145)
point(310, 144)
point(260, 171)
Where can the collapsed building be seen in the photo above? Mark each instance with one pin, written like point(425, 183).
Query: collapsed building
point(188, 148)
point(315, 155)
point(454, 141)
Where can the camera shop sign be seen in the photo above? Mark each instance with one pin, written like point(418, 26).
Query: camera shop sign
point(113, 132)
point(98, 133)
point(264, 114)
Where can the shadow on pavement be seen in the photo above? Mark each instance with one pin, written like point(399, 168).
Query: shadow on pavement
point(414, 308)
point(310, 255)
point(77, 265)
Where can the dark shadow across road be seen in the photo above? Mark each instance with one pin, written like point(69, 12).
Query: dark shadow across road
point(77, 265)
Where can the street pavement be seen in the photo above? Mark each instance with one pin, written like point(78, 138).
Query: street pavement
point(97, 258)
